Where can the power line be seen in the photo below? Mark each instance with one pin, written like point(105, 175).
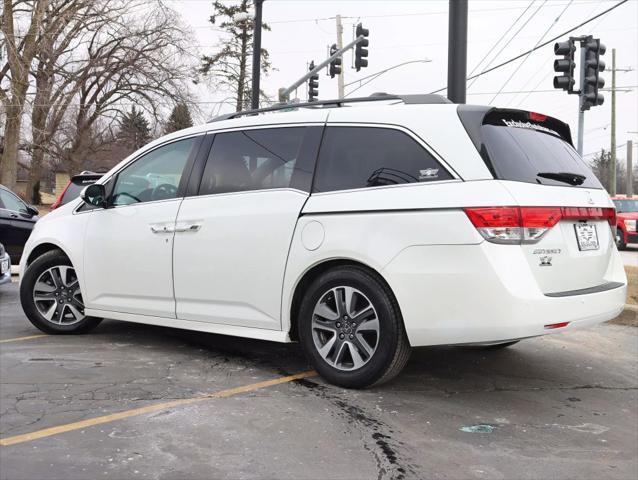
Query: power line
point(507, 62)
point(525, 59)
point(520, 29)
point(501, 38)
point(549, 59)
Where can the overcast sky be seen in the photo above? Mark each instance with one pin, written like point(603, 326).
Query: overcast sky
point(403, 31)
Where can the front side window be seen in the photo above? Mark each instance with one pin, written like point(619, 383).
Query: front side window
point(253, 160)
point(10, 202)
point(360, 157)
point(154, 176)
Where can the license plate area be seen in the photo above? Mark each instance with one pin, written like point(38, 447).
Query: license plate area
point(586, 236)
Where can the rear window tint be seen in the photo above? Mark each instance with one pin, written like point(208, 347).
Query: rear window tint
point(360, 157)
point(520, 154)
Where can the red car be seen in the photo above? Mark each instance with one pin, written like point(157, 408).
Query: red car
point(627, 215)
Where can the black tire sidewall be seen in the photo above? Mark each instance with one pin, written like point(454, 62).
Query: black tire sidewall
point(31, 275)
point(390, 326)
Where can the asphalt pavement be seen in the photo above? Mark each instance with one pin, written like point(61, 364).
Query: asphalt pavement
point(630, 256)
point(118, 404)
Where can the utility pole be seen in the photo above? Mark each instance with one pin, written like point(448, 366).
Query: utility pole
point(340, 77)
point(457, 51)
point(254, 104)
point(612, 163)
point(630, 171)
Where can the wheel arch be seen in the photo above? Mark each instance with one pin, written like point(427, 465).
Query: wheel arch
point(43, 248)
point(311, 274)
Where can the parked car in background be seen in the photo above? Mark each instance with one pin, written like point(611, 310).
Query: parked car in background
point(359, 231)
point(75, 186)
point(17, 219)
point(5, 266)
point(627, 215)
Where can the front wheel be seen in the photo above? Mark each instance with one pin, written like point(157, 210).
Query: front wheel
point(351, 328)
point(51, 297)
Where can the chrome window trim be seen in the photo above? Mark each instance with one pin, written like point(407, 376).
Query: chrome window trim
point(384, 187)
point(243, 192)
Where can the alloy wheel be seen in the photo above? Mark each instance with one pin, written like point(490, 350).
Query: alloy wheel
point(345, 328)
point(57, 296)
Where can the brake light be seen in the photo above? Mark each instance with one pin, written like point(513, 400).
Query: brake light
point(58, 200)
point(537, 117)
point(519, 225)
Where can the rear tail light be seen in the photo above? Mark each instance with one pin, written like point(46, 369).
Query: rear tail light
point(58, 201)
point(519, 225)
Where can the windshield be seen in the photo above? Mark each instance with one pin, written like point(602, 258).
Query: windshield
point(626, 206)
point(532, 155)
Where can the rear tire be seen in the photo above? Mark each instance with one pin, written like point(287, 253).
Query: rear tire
point(351, 328)
point(51, 297)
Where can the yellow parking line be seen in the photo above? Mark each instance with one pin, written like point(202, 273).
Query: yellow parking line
point(19, 339)
point(90, 422)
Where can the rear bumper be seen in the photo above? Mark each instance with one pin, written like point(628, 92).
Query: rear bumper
point(476, 294)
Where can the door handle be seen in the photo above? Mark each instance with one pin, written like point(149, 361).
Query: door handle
point(193, 227)
point(162, 229)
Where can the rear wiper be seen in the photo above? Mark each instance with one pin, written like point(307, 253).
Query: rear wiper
point(567, 177)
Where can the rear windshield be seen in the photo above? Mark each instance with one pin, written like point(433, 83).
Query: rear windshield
point(532, 148)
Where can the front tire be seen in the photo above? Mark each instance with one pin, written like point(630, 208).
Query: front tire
point(351, 328)
point(51, 297)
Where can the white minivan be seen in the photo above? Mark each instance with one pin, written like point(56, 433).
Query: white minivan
point(360, 228)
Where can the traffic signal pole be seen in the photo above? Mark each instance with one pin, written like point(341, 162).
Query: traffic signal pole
point(340, 76)
point(256, 55)
point(284, 93)
point(590, 80)
point(581, 112)
point(457, 51)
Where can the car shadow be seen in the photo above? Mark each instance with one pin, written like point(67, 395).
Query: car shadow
point(529, 365)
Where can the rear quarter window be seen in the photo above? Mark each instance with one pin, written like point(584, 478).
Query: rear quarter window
point(361, 157)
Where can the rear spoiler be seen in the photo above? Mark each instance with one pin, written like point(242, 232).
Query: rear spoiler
point(473, 117)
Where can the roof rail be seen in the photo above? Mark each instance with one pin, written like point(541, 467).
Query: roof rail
point(406, 99)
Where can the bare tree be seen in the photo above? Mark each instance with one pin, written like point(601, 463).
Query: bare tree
point(134, 60)
point(229, 68)
point(95, 59)
point(21, 47)
point(56, 74)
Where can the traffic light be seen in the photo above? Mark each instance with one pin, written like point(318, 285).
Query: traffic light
point(565, 65)
point(313, 84)
point(335, 65)
point(360, 52)
point(590, 95)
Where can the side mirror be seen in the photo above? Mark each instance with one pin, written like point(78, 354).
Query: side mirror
point(95, 195)
point(32, 210)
